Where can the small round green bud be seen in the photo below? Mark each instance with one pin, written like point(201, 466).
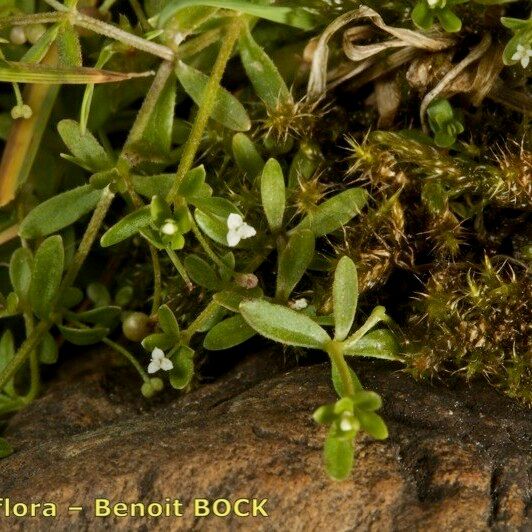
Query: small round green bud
point(34, 32)
point(136, 326)
point(17, 35)
point(147, 390)
point(157, 384)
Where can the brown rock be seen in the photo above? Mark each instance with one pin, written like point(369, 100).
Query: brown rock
point(457, 459)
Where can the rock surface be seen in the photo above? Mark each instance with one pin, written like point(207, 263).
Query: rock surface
point(457, 459)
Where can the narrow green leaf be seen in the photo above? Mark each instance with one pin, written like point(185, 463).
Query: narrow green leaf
point(231, 299)
point(337, 381)
point(373, 424)
point(283, 324)
point(376, 344)
point(324, 415)
point(228, 333)
point(40, 73)
point(68, 46)
point(20, 271)
point(292, 16)
point(127, 227)
point(47, 351)
point(183, 371)
point(59, 212)
point(201, 272)
point(83, 336)
point(246, 156)
point(161, 340)
point(159, 185)
point(214, 227)
point(47, 273)
point(7, 348)
point(263, 74)
point(272, 188)
point(367, 400)
point(345, 297)
point(227, 110)
point(168, 321)
point(107, 316)
point(84, 146)
point(339, 457)
point(335, 212)
point(294, 260)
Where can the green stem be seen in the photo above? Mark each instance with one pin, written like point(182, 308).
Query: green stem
point(98, 26)
point(35, 376)
point(205, 110)
point(157, 290)
point(378, 314)
point(204, 244)
point(88, 238)
point(29, 345)
point(335, 351)
point(179, 267)
point(129, 356)
point(207, 313)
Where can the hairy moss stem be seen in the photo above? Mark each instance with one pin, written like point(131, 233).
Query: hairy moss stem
point(205, 109)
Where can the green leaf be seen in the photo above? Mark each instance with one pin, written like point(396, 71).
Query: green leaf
point(272, 189)
point(337, 381)
point(246, 156)
point(84, 146)
point(161, 340)
point(218, 207)
point(335, 212)
point(154, 138)
point(228, 333)
point(345, 297)
point(201, 272)
point(47, 351)
point(283, 324)
point(159, 185)
point(292, 16)
point(106, 316)
point(263, 74)
point(324, 415)
point(376, 344)
point(294, 260)
point(59, 212)
point(83, 336)
point(70, 297)
point(168, 321)
point(227, 110)
point(127, 227)
point(47, 273)
point(214, 227)
point(367, 400)
point(20, 271)
point(17, 72)
point(68, 46)
point(231, 299)
point(514, 24)
point(5, 448)
point(373, 424)
point(7, 348)
point(449, 21)
point(339, 457)
point(422, 15)
point(183, 371)
point(99, 294)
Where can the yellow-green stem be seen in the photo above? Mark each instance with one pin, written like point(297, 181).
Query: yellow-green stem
point(335, 352)
point(205, 109)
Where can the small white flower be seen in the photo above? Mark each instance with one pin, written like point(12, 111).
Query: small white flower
point(523, 55)
point(169, 228)
point(159, 361)
point(434, 3)
point(238, 230)
point(298, 304)
point(346, 423)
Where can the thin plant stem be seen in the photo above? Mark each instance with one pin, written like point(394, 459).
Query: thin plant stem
point(335, 351)
point(179, 267)
point(123, 351)
point(208, 101)
point(157, 285)
point(204, 244)
point(207, 313)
